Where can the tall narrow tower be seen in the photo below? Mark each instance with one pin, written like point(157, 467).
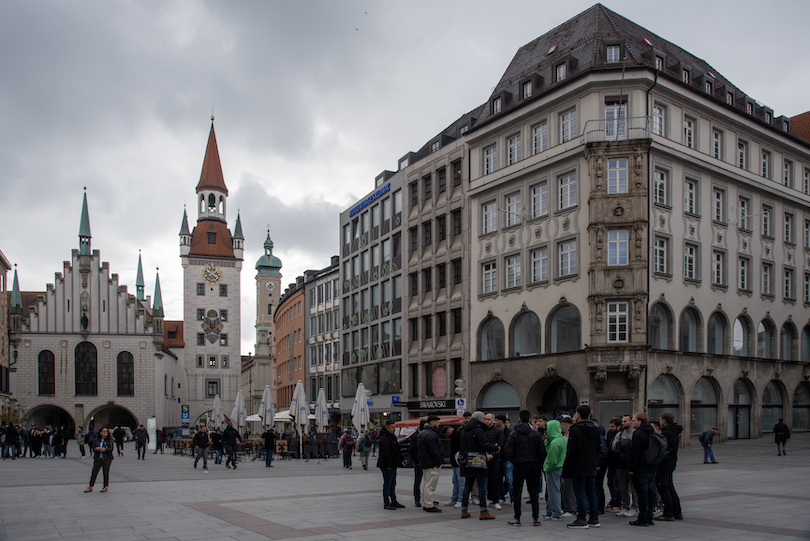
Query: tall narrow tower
point(212, 265)
point(268, 291)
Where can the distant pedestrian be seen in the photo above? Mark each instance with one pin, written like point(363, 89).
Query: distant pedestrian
point(102, 458)
point(781, 434)
point(141, 439)
point(707, 440)
point(119, 435)
point(216, 445)
point(269, 438)
point(200, 444)
point(160, 439)
point(80, 441)
point(388, 461)
point(346, 445)
point(364, 447)
point(58, 443)
point(229, 437)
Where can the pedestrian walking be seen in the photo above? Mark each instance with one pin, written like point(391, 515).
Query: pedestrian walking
point(119, 435)
point(525, 450)
point(200, 443)
point(429, 454)
point(229, 438)
point(364, 447)
point(80, 440)
point(707, 440)
point(269, 438)
point(102, 458)
point(216, 445)
point(781, 434)
point(160, 439)
point(388, 460)
point(346, 445)
point(141, 439)
point(663, 477)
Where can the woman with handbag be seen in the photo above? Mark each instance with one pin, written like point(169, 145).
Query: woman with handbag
point(103, 457)
point(474, 449)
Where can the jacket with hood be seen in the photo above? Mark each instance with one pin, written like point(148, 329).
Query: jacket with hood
point(584, 445)
point(429, 448)
point(524, 446)
point(389, 456)
point(473, 440)
point(672, 433)
point(639, 444)
point(555, 447)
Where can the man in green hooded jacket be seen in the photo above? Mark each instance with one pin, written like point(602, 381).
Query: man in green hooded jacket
point(553, 466)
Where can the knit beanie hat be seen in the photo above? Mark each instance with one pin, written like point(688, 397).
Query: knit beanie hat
point(478, 415)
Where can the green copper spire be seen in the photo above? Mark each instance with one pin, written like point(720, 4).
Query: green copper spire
point(238, 229)
point(139, 285)
point(16, 298)
point(84, 229)
point(268, 263)
point(184, 226)
point(157, 305)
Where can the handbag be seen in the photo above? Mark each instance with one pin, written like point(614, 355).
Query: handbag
point(476, 461)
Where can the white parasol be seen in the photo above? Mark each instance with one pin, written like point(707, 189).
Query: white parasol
point(217, 415)
point(266, 409)
point(321, 412)
point(239, 412)
point(360, 413)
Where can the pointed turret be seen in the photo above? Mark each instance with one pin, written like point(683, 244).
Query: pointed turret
point(238, 238)
point(185, 235)
point(84, 229)
point(268, 263)
point(16, 298)
point(139, 285)
point(184, 226)
point(157, 305)
point(211, 176)
point(237, 234)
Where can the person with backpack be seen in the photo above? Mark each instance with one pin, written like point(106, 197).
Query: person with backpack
point(663, 477)
point(364, 447)
point(584, 446)
point(621, 448)
point(346, 444)
point(641, 470)
point(707, 440)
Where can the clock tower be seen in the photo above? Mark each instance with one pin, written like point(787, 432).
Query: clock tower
point(268, 291)
point(212, 263)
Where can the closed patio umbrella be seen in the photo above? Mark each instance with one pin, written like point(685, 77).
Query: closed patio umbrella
point(239, 412)
point(299, 411)
point(321, 412)
point(360, 413)
point(266, 408)
point(217, 414)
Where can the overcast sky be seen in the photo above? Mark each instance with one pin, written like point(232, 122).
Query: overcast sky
point(312, 100)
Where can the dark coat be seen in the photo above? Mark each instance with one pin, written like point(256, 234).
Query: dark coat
point(584, 445)
point(601, 459)
point(119, 434)
point(455, 446)
point(107, 444)
point(201, 440)
point(639, 444)
point(781, 433)
point(475, 441)
point(672, 433)
point(230, 435)
point(269, 438)
point(429, 448)
point(496, 436)
point(524, 446)
point(388, 453)
point(216, 441)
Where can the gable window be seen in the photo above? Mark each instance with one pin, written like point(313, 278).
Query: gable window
point(749, 108)
point(86, 369)
point(717, 144)
point(490, 159)
point(513, 271)
point(689, 132)
point(787, 174)
point(527, 89)
point(617, 321)
point(730, 98)
point(708, 87)
point(660, 255)
point(568, 125)
point(513, 209)
point(541, 138)
point(658, 120)
point(540, 264)
point(490, 218)
point(768, 117)
point(613, 53)
point(617, 176)
point(766, 164)
point(685, 76)
point(568, 191)
point(212, 237)
point(660, 187)
point(690, 191)
point(568, 258)
point(540, 200)
point(490, 277)
point(718, 205)
point(561, 71)
point(515, 149)
point(496, 106)
point(742, 154)
point(617, 247)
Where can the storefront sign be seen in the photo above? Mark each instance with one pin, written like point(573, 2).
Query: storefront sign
point(427, 405)
point(370, 199)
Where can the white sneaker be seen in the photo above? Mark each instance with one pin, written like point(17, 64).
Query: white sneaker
point(476, 501)
point(622, 513)
point(567, 515)
point(458, 505)
point(498, 506)
point(448, 503)
point(502, 501)
point(631, 513)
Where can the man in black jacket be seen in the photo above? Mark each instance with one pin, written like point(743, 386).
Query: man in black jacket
point(473, 441)
point(229, 437)
point(663, 477)
point(642, 473)
point(495, 436)
point(388, 461)
point(429, 455)
point(525, 450)
point(781, 434)
point(584, 445)
point(417, 470)
point(269, 438)
point(201, 447)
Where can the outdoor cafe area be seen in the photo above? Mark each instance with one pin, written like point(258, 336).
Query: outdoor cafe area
point(288, 445)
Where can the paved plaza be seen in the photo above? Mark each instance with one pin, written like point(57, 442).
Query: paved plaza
point(751, 495)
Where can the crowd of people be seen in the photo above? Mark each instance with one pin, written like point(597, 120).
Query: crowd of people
point(581, 469)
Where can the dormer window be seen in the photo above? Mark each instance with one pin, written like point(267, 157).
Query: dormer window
point(786, 126)
point(496, 106)
point(403, 163)
point(729, 98)
point(708, 87)
point(464, 129)
point(749, 108)
point(685, 76)
point(613, 53)
point(212, 237)
point(768, 117)
point(527, 89)
point(659, 63)
point(561, 71)
point(435, 146)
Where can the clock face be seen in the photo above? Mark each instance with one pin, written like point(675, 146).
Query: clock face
point(270, 286)
point(211, 273)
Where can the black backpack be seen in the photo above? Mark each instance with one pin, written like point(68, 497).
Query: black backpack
point(656, 449)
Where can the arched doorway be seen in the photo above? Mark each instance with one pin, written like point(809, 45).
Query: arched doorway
point(500, 398)
point(739, 411)
point(801, 406)
point(552, 397)
point(111, 417)
point(772, 405)
point(664, 395)
point(50, 415)
point(704, 406)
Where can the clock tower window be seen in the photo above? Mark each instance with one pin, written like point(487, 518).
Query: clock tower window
point(223, 290)
point(212, 203)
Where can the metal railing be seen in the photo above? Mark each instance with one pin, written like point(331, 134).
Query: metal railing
point(617, 129)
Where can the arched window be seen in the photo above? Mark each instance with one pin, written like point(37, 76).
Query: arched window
point(212, 203)
point(739, 411)
point(764, 339)
point(717, 332)
point(663, 396)
point(47, 373)
point(659, 324)
point(565, 329)
point(492, 340)
point(500, 397)
point(221, 207)
point(742, 334)
point(772, 406)
point(805, 356)
point(801, 407)
point(126, 374)
point(704, 406)
point(688, 331)
point(526, 337)
point(787, 336)
point(86, 367)
point(202, 204)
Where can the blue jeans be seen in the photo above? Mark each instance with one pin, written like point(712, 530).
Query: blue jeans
point(219, 456)
point(645, 490)
point(458, 485)
point(554, 502)
point(708, 454)
point(507, 469)
point(613, 485)
point(585, 491)
point(268, 457)
point(482, 479)
point(389, 485)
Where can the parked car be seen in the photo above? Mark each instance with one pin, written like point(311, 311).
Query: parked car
point(405, 430)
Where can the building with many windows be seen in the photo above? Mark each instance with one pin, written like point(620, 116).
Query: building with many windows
point(640, 237)
point(5, 349)
point(322, 290)
point(290, 323)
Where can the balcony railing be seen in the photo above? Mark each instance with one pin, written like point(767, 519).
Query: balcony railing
point(617, 129)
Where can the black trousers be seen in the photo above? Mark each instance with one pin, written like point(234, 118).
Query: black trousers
point(670, 499)
point(231, 454)
point(417, 484)
point(104, 466)
point(528, 472)
point(600, 489)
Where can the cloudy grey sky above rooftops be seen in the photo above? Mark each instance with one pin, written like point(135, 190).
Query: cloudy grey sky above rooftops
point(312, 100)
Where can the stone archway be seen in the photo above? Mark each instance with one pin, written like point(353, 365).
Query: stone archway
point(50, 415)
point(552, 396)
point(111, 416)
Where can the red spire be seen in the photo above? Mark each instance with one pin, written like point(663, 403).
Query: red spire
point(211, 176)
